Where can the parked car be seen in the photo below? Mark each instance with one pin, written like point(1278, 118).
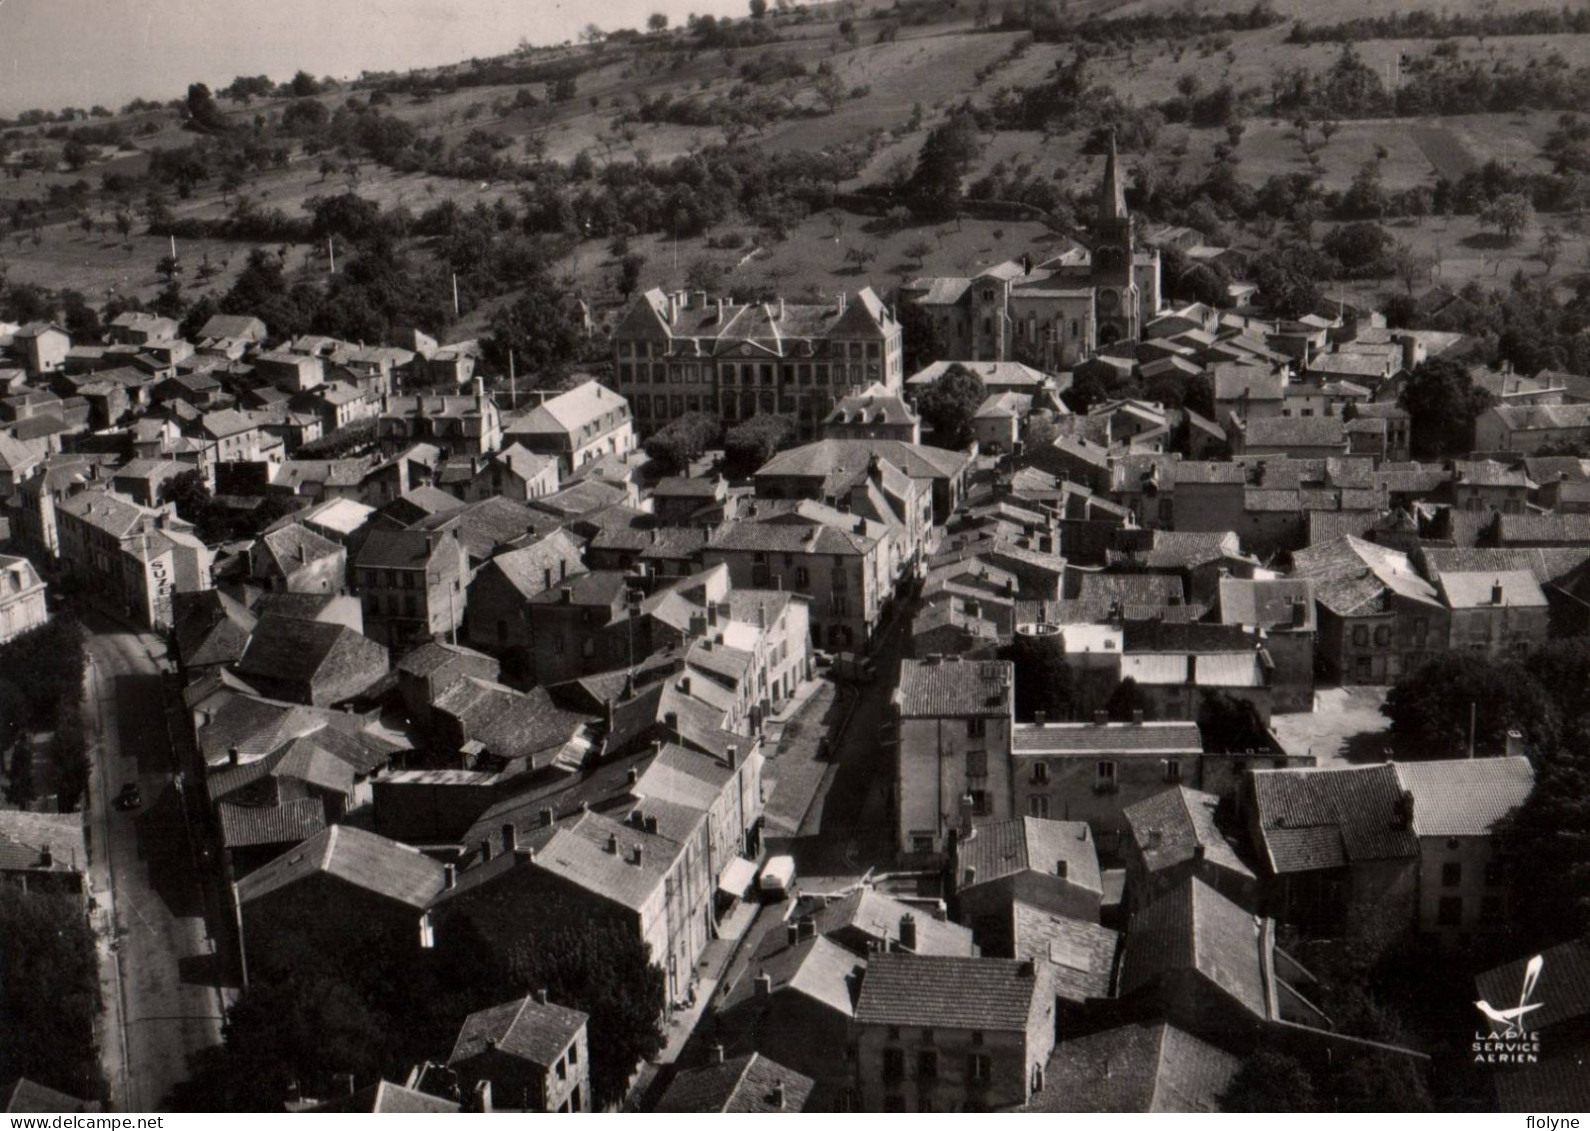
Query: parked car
point(129, 798)
point(854, 668)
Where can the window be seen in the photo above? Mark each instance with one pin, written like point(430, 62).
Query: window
point(1360, 635)
point(977, 763)
point(1038, 805)
point(802, 577)
point(1451, 874)
point(1365, 669)
point(979, 802)
point(893, 1064)
point(1040, 772)
point(927, 1064)
point(574, 1054)
point(1105, 775)
point(979, 1067)
point(1172, 771)
point(1449, 912)
point(1382, 635)
point(976, 728)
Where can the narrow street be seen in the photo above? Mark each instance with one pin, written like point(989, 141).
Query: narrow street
point(164, 1001)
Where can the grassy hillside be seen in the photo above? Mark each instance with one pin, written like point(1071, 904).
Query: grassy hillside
point(897, 72)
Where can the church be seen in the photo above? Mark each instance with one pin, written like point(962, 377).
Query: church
point(1056, 313)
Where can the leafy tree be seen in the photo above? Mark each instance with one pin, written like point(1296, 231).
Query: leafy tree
point(1362, 249)
point(1410, 266)
point(629, 268)
point(1270, 1081)
point(758, 9)
point(948, 405)
point(1285, 289)
point(922, 342)
point(541, 327)
point(1126, 699)
point(303, 85)
point(751, 443)
point(1442, 402)
point(1044, 681)
point(81, 320)
point(934, 190)
point(203, 113)
point(74, 154)
point(1227, 723)
point(1509, 213)
point(680, 441)
point(1549, 836)
point(1429, 707)
point(657, 22)
point(49, 993)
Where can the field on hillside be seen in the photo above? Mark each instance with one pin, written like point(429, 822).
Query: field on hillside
point(886, 78)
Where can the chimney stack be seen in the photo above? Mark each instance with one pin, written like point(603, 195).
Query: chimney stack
point(1039, 718)
point(1496, 591)
point(612, 844)
point(792, 933)
point(764, 985)
point(566, 594)
point(485, 850)
point(640, 856)
point(733, 754)
point(1101, 718)
point(510, 837)
point(908, 932)
point(717, 1054)
point(449, 876)
point(547, 817)
point(541, 995)
point(232, 755)
point(1137, 718)
point(778, 1094)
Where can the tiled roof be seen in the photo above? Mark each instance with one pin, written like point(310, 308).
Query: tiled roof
point(1136, 588)
point(1545, 564)
point(28, 1097)
point(568, 413)
point(1465, 797)
point(1111, 738)
point(1476, 590)
point(400, 549)
point(1294, 431)
point(1267, 604)
point(951, 993)
point(1350, 575)
point(1144, 1066)
point(1489, 473)
point(312, 652)
point(1194, 927)
point(997, 849)
point(24, 834)
point(288, 823)
point(1078, 956)
point(816, 968)
point(743, 1084)
point(1170, 826)
point(388, 1098)
point(1542, 417)
point(362, 859)
point(530, 1029)
point(878, 916)
point(955, 688)
point(1329, 818)
point(826, 458)
point(1562, 529)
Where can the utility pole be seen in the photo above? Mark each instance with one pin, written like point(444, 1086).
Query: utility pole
point(513, 386)
point(331, 250)
point(173, 248)
point(1473, 709)
point(455, 294)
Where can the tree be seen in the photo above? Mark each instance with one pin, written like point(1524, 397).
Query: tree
point(1285, 289)
point(1549, 250)
point(49, 992)
point(629, 269)
point(751, 443)
point(1361, 248)
point(1044, 681)
point(303, 85)
point(1410, 266)
point(1429, 708)
point(1510, 213)
point(1126, 700)
point(1442, 402)
point(948, 405)
point(203, 113)
point(922, 341)
point(74, 154)
point(758, 9)
point(829, 88)
point(1550, 836)
point(657, 22)
point(934, 190)
point(1270, 1081)
point(1230, 724)
point(681, 441)
point(704, 275)
point(541, 327)
point(917, 251)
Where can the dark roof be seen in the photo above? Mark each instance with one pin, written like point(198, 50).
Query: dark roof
point(1170, 826)
point(878, 916)
point(1139, 1067)
point(948, 992)
point(1564, 991)
point(1156, 737)
point(362, 859)
point(1078, 956)
point(399, 549)
point(746, 1083)
point(950, 687)
point(386, 1098)
point(529, 1029)
point(1031, 844)
point(1319, 818)
point(28, 1097)
point(289, 823)
point(1194, 927)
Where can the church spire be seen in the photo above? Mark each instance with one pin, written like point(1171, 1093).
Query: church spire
point(1112, 198)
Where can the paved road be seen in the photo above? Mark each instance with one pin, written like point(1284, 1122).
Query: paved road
point(163, 999)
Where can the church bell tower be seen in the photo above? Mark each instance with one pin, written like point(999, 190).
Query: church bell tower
point(1115, 297)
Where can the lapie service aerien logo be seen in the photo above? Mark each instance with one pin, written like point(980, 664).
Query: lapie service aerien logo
point(1510, 1041)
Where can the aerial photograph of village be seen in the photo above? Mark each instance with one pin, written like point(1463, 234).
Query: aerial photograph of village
point(871, 556)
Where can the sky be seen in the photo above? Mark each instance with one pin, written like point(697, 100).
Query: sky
point(56, 53)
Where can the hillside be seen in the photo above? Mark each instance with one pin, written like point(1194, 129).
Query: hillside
point(613, 136)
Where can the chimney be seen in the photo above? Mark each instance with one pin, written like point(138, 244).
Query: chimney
point(485, 850)
point(792, 933)
point(684, 684)
point(841, 302)
point(46, 857)
point(908, 932)
point(1496, 591)
point(1200, 852)
point(778, 1085)
point(232, 755)
point(1061, 869)
point(671, 721)
point(632, 776)
point(1137, 718)
point(1028, 969)
point(612, 844)
point(650, 825)
point(720, 311)
point(547, 818)
point(1299, 613)
point(781, 308)
point(639, 857)
point(717, 1054)
point(480, 1100)
point(1515, 743)
point(1039, 718)
point(449, 876)
point(807, 927)
point(970, 877)
point(566, 594)
point(541, 995)
point(1101, 718)
point(733, 754)
point(510, 837)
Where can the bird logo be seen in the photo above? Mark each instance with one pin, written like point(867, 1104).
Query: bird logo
point(1512, 1020)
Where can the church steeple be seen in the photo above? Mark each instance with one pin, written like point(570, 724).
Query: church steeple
point(1112, 198)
